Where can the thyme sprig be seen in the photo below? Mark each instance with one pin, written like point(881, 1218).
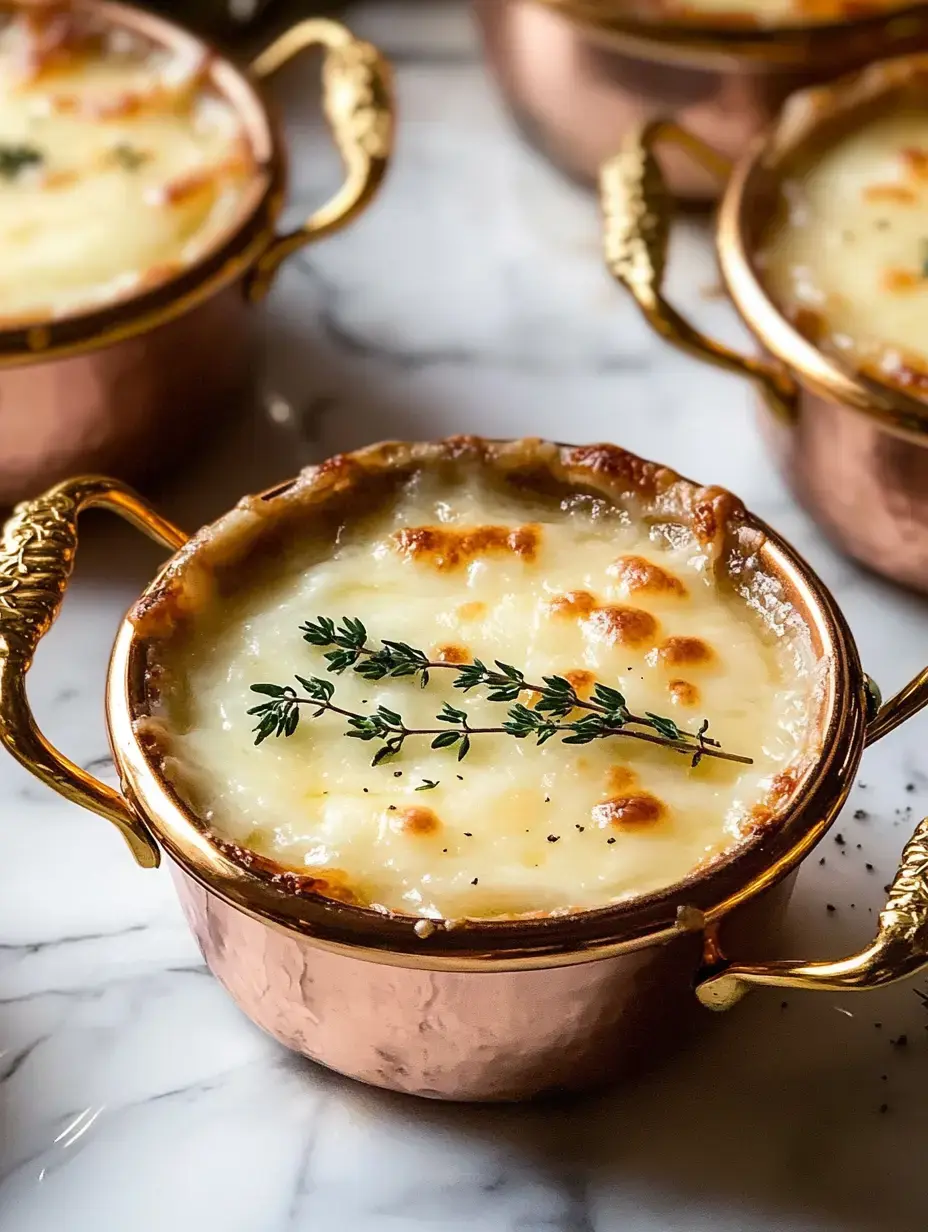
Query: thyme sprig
point(16, 157)
point(556, 696)
point(607, 714)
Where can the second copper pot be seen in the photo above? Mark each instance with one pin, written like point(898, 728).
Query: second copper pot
point(578, 80)
point(126, 387)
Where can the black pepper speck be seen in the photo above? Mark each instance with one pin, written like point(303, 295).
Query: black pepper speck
point(839, 839)
point(610, 840)
point(830, 907)
point(553, 838)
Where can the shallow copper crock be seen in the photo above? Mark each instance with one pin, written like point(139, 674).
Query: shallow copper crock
point(481, 1009)
point(578, 73)
point(127, 387)
point(854, 450)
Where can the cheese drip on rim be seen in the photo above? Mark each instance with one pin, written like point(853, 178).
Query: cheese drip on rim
point(118, 167)
point(847, 260)
point(466, 570)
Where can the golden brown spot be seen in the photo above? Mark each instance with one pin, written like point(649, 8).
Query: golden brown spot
point(414, 819)
point(899, 194)
point(623, 626)
point(571, 603)
point(629, 812)
point(452, 654)
point(446, 548)
point(581, 680)
point(899, 281)
point(620, 779)
point(916, 160)
point(684, 693)
point(472, 611)
point(639, 574)
point(809, 323)
point(685, 651)
point(781, 789)
point(62, 177)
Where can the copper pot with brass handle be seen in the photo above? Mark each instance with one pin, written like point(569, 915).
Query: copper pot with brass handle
point(853, 449)
point(492, 1009)
point(128, 384)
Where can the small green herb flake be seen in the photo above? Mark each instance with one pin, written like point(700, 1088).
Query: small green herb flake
point(427, 785)
point(925, 258)
point(15, 158)
point(128, 157)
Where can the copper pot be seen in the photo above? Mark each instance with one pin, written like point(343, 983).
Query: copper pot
point(471, 1009)
point(124, 387)
point(578, 74)
point(854, 450)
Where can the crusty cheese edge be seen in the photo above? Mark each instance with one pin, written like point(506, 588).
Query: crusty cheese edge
point(190, 581)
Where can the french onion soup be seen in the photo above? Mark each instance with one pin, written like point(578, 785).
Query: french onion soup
point(847, 257)
point(119, 164)
point(479, 680)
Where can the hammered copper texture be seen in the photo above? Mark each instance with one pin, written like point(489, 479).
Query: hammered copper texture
point(128, 408)
point(574, 95)
point(867, 487)
point(464, 1035)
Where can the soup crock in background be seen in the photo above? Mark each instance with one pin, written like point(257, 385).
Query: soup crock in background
point(853, 449)
point(491, 1009)
point(124, 386)
point(578, 74)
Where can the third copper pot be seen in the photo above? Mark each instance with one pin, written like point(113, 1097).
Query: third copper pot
point(850, 436)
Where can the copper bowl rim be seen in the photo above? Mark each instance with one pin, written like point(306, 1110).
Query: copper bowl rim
point(777, 45)
point(754, 865)
point(228, 259)
point(808, 117)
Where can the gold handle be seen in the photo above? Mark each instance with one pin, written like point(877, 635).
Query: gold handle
point(899, 950)
point(637, 212)
point(901, 945)
point(898, 709)
point(36, 558)
point(358, 103)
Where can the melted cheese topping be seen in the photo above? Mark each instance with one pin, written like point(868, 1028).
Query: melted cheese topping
point(463, 572)
point(773, 12)
point(848, 258)
point(117, 169)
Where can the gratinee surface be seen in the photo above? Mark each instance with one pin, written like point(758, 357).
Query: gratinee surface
point(464, 569)
point(118, 165)
point(847, 259)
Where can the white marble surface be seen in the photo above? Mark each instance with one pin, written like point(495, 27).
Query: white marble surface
point(133, 1096)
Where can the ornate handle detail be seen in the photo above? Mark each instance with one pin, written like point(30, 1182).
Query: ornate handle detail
point(900, 948)
point(37, 552)
point(638, 211)
point(358, 103)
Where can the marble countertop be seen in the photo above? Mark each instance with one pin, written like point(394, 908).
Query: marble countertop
point(133, 1095)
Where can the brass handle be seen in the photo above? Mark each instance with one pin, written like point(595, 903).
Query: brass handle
point(908, 701)
point(637, 212)
point(358, 103)
point(36, 558)
point(901, 945)
point(900, 948)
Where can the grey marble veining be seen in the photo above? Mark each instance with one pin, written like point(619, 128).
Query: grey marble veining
point(133, 1096)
